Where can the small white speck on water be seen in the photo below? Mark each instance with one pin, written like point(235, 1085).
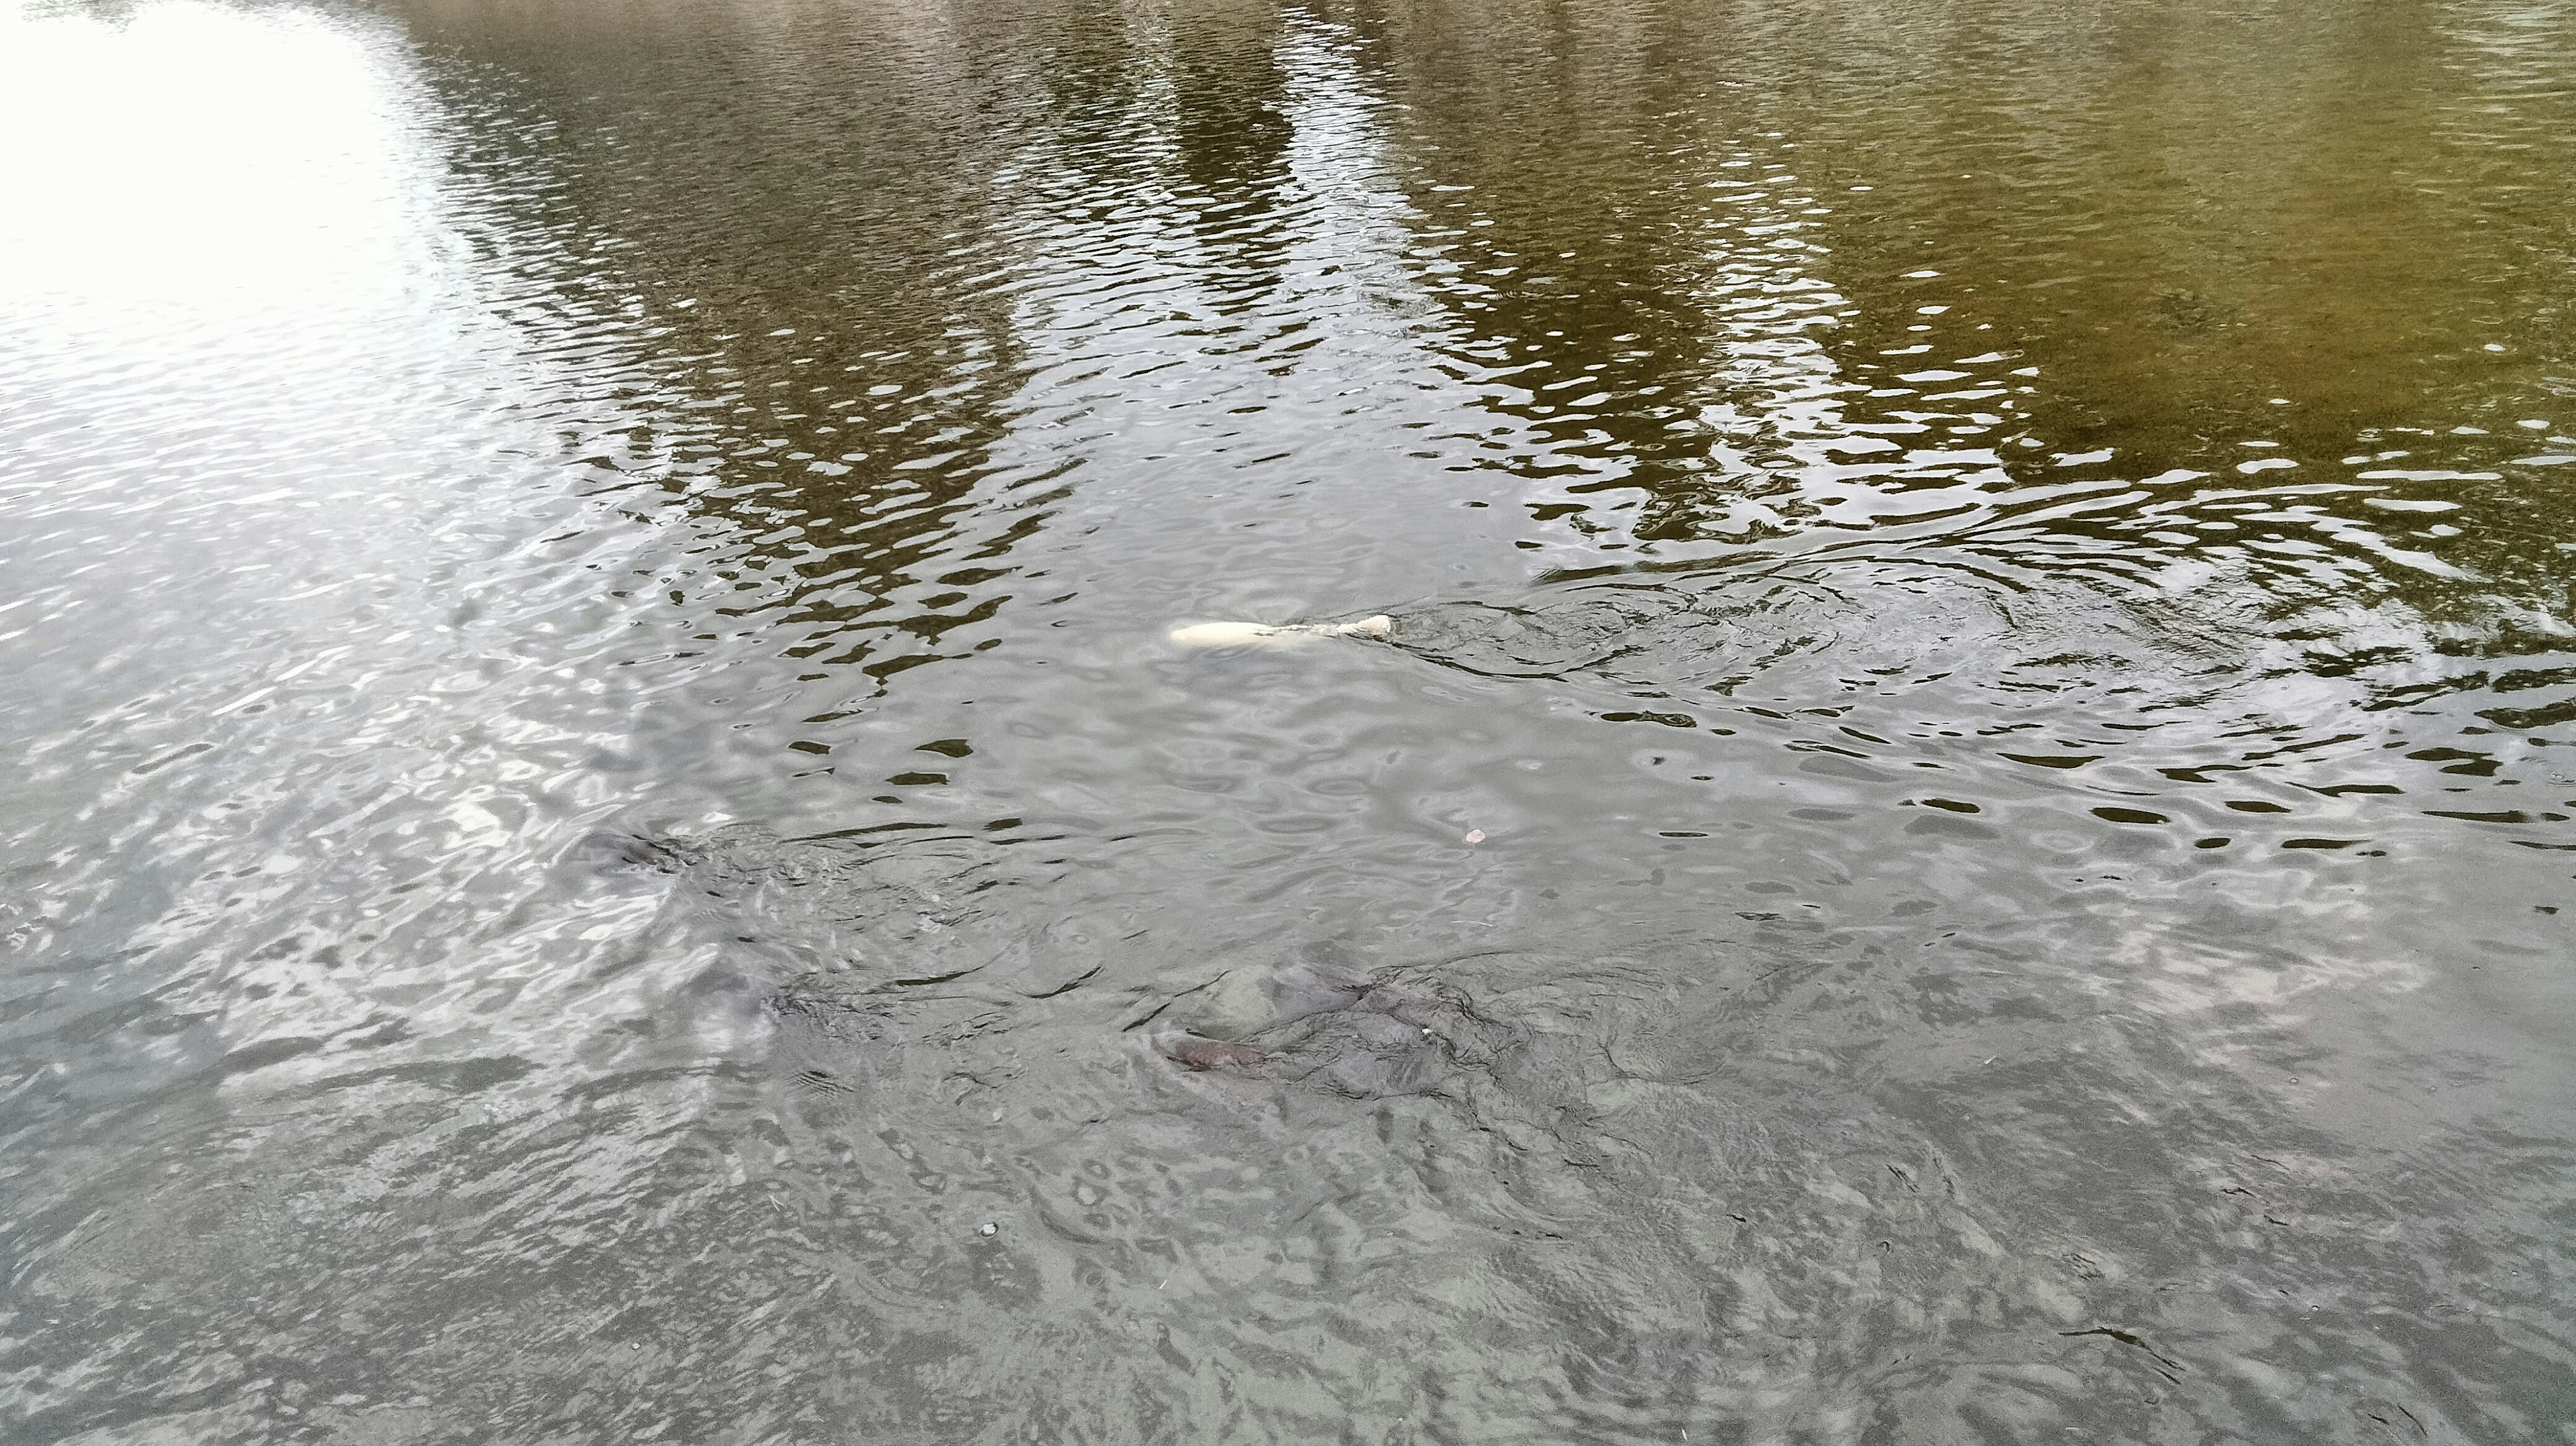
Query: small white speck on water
point(990, 1227)
point(1166, 1281)
point(1475, 835)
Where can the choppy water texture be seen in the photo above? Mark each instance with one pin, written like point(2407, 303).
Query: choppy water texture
point(1964, 833)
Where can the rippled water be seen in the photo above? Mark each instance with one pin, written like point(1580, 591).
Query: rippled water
point(1962, 834)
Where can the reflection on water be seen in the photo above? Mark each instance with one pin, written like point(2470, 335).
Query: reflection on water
point(1962, 834)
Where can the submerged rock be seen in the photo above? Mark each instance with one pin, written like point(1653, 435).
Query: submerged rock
point(1317, 1022)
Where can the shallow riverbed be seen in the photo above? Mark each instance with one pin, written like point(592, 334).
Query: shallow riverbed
point(1961, 831)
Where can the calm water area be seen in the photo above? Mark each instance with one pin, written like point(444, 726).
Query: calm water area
point(1966, 830)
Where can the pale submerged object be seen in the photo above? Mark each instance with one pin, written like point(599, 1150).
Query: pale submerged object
point(1266, 635)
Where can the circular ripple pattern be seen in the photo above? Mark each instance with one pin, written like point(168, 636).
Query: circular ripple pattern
point(1963, 833)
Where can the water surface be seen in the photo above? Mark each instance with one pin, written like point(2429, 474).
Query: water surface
point(1962, 836)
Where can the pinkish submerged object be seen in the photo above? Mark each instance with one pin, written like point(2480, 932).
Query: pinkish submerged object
point(1197, 1051)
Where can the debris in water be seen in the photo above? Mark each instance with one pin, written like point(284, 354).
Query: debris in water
point(1475, 835)
point(991, 1228)
point(1236, 635)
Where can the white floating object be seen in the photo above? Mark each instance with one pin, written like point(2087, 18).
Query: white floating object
point(990, 1227)
point(1267, 635)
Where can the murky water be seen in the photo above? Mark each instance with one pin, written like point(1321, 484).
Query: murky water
point(1964, 833)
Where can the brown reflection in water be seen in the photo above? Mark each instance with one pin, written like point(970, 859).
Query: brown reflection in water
point(2308, 242)
point(790, 279)
point(2183, 221)
point(1560, 163)
point(2306, 255)
point(815, 230)
point(2171, 224)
